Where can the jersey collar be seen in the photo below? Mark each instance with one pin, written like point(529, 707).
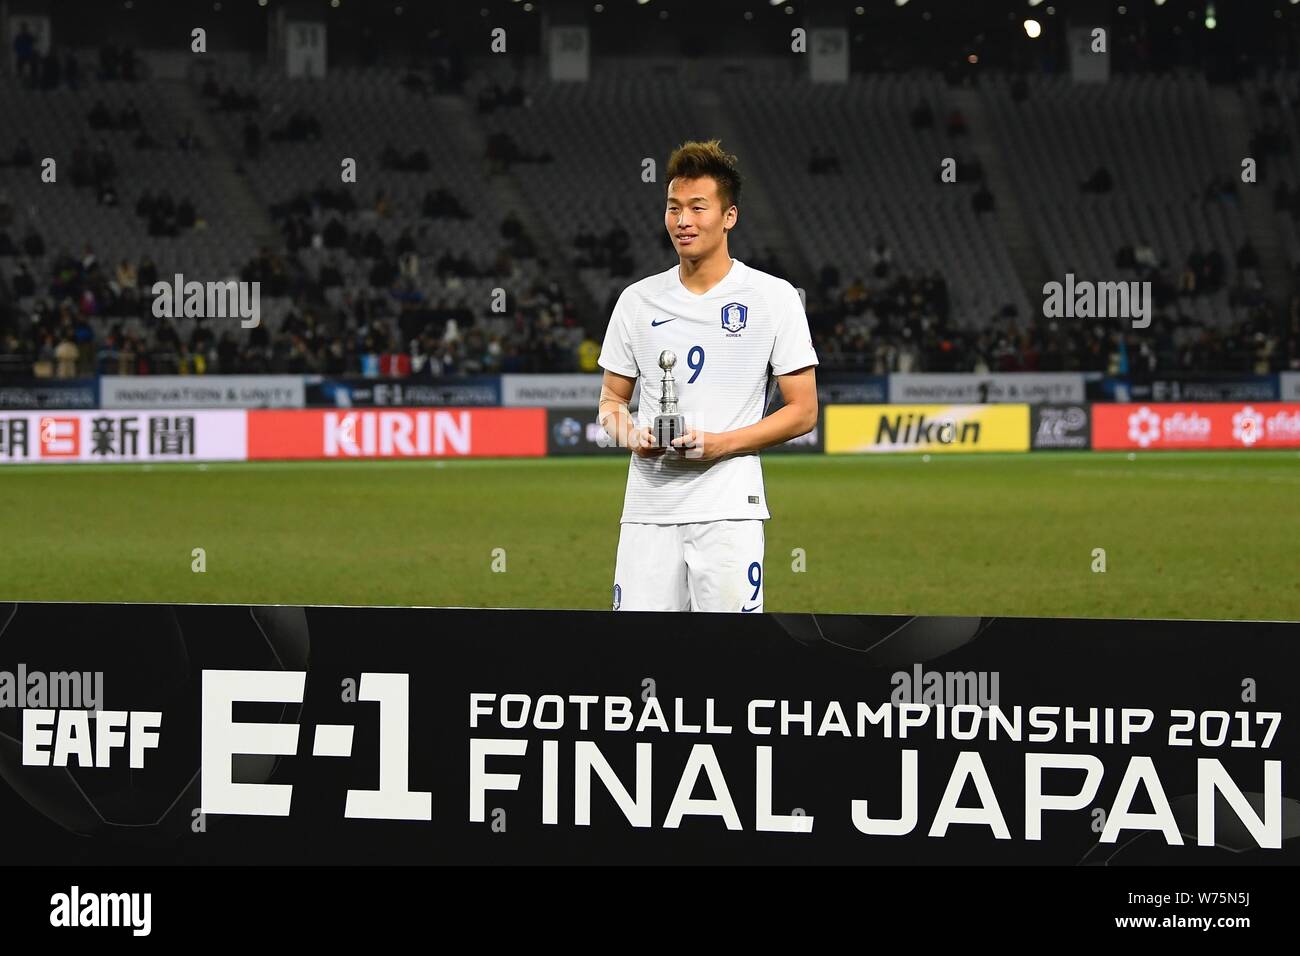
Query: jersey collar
point(732, 274)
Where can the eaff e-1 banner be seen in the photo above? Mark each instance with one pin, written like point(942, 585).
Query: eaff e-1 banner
point(1190, 426)
point(227, 734)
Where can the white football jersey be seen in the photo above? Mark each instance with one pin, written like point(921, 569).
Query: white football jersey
point(728, 342)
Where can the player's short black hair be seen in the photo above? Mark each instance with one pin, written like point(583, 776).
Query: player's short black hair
point(694, 159)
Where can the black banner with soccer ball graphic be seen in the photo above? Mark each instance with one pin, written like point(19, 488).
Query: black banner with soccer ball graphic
point(227, 734)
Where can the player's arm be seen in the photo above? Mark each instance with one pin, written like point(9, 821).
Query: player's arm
point(614, 417)
point(798, 416)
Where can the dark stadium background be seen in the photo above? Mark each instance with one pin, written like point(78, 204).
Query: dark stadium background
point(391, 498)
point(958, 293)
point(478, 173)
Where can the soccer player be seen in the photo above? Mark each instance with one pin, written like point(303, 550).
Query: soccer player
point(692, 525)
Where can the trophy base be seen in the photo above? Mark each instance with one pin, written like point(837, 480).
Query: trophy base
point(668, 427)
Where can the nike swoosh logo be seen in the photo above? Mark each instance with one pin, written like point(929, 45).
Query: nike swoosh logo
point(744, 609)
point(655, 322)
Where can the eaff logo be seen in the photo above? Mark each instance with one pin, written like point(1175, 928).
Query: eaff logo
point(60, 437)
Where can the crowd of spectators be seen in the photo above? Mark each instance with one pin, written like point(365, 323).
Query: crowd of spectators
point(892, 321)
point(54, 69)
point(164, 216)
point(83, 318)
point(367, 306)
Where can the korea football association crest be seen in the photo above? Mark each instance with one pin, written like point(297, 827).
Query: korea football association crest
point(734, 316)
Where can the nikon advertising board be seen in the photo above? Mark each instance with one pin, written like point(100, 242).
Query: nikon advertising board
point(943, 429)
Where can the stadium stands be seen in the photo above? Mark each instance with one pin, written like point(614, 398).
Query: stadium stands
point(537, 189)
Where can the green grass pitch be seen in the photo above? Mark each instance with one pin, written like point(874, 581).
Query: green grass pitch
point(1213, 535)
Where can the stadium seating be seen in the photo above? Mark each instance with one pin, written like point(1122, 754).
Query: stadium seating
point(1154, 135)
point(574, 158)
point(886, 189)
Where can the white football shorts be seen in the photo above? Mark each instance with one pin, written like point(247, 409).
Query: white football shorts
point(708, 566)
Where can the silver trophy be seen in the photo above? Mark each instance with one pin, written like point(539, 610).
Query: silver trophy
point(669, 423)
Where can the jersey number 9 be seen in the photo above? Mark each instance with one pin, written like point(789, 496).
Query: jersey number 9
point(695, 360)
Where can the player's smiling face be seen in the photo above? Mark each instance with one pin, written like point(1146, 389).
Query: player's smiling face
point(695, 219)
